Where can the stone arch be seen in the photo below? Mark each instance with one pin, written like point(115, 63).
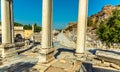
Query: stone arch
point(16, 32)
point(18, 37)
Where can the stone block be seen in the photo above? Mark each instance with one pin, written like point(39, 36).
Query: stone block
point(8, 50)
point(115, 66)
point(62, 61)
point(46, 55)
point(108, 56)
point(96, 62)
point(106, 64)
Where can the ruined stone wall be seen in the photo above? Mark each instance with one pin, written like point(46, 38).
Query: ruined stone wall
point(92, 40)
point(17, 30)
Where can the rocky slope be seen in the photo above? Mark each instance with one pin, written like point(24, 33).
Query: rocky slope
point(93, 23)
point(104, 14)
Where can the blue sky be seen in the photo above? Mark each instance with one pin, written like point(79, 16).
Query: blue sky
point(64, 11)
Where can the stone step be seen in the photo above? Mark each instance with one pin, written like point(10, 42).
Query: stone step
point(109, 56)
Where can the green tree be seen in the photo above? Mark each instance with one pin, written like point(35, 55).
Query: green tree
point(17, 24)
point(37, 28)
point(27, 27)
point(109, 32)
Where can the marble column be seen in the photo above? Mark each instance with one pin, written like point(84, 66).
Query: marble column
point(33, 27)
point(7, 48)
point(81, 26)
point(32, 38)
point(6, 21)
point(46, 53)
point(12, 20)
point(46, 23)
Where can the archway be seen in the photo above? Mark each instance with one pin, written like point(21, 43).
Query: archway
point(18, 38)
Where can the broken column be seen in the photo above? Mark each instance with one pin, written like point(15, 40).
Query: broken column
point(7, 48)
point(81, 26)
point(32, 37)
point(33, 28)
point(46, 52)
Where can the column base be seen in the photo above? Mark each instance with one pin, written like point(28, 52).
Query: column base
point(46, 55)
point(7, 50)
point(81, 55)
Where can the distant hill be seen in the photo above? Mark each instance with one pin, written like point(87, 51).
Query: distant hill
point(102, 27)
point(106, 12)
point(95, 20)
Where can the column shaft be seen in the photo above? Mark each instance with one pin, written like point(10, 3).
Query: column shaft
point(6, 21)
point(81, 26)
point(46, 23)
point(33, 28)
point(12, 20)
point(32, 38)
point(47, 52)
point(7, 48)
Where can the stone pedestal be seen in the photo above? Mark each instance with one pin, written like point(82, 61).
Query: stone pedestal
point(7, 50)
point(80, 56)
point(46, 55)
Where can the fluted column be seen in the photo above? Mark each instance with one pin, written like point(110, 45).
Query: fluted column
point(46, 52)
point(6, 21)
point(7, 48)
point(81, 26)
point(46, 23)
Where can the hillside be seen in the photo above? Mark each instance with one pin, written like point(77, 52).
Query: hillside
point(105, 13)
point(95, 19)
point(94, 22)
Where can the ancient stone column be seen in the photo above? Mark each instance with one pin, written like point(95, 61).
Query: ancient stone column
point(32, 38)
point(12, 20)
point(81, 26)
point(7, 48)
point(33, 28)
point(46, 23)
point(46, 53)
point(6, 21)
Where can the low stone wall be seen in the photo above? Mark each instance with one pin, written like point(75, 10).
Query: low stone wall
point(99, 44)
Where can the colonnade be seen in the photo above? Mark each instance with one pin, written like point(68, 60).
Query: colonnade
point(46, 53)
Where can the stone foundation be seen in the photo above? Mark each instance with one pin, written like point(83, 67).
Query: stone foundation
point(46, 55)
point(7, 50)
